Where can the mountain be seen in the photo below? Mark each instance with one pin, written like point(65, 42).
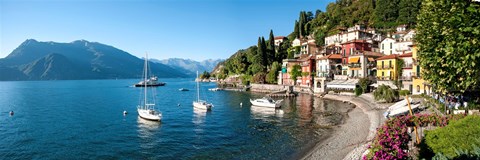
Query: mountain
point(34, 60)
point(190, 67)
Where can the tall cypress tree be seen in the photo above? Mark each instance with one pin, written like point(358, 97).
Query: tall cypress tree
point(271, 48)
point(296, 30)
point(264, 53)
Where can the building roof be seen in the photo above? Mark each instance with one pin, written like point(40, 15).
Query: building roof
point(392, 56)
point(332, 56)
point(279, 37)
point(409, 54)
point(373, 54)
point(356, 41)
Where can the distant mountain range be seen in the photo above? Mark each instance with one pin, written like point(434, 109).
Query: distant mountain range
point(81, 59)
point(188, 66)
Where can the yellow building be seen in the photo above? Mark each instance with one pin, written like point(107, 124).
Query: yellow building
point(386, 68)
point(419, 85)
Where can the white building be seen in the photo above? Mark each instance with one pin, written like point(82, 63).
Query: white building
point(386, 46)
point(278, 40)
point(296, 42)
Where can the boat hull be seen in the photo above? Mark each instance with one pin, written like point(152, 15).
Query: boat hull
point(149, 114)
point(202, 105)
point(269, 105)
point(150, 85)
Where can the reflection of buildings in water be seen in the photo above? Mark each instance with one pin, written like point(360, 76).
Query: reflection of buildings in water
point(304, 109)
point(146, 131)
point(265, 111)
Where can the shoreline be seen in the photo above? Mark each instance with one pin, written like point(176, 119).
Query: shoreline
point(350, 139)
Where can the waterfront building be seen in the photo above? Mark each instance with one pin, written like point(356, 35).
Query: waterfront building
point(386, 46)
point(327, 67)
point(386, 67)
point(350, 47)
point(308, 71)
point(406, 77)
point(362, 64)
point(284, 75)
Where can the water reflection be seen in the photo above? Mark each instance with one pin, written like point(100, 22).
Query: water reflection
point(263, 112)
point(147, 128)
point(199, 116)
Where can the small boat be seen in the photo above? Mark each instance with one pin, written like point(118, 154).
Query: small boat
point(151, 82)
point(266, 102)
point(201, 104)
point(215, 89)
point(401, 108)
point(146, 109)
point(183, 89)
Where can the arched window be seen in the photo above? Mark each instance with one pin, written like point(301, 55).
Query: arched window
point(418, 88)
point(319, 85)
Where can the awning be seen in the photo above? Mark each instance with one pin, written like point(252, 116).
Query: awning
point(342, 84)
point(353, 59)
point(371, 59)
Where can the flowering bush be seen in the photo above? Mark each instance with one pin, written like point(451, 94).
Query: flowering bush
point(392, 138)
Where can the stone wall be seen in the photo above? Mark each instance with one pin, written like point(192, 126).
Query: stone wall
point(268, 88)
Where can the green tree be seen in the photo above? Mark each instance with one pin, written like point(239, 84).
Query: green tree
point(386, 13)
point(264, 53)
point(399, 71)
point(408, 11)
point(384, 92)
point(296, 30)
point(448, 40)
point(271, 48)
point(272, 75)
point(364, 82)
point(296, 72)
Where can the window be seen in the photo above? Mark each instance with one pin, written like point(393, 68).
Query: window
point(344, 52)
point(390, 64)
point(390, 51)
point(418, 88)
point(390, 45)
point(319, 85)
point(383, 74)
point(351, 51)
point(382, 65)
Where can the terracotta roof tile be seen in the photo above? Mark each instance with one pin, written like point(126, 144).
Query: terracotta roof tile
point(409, 54)
point(392, 56)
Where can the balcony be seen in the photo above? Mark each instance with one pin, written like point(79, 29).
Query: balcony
point(355, 65)
point(407, 65)
point(406, 78)
point(384, 78)
point(384, 67)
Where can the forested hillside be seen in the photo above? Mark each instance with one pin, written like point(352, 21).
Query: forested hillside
point(262, 62)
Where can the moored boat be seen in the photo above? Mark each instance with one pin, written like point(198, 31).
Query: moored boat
point(266, 102)
point(151, 82)
point(146, 108)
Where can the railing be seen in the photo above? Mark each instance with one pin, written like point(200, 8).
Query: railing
point(409, 65)
point(384, 67)
point(383, 78)
point(354, 65)
point(406, 78)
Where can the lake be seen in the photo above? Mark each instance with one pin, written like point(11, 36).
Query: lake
point(83, 119)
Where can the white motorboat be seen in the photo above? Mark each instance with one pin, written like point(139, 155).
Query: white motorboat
point(146, 109)
point(266, 102)
point(215, 89)
point(183, 89)
point(201, 104)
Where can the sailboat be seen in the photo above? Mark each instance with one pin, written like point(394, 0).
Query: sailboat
point(201, 104)
point(146, 110)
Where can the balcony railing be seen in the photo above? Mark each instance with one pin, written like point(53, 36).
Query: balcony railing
point(385, 78)
point(354, 65)
point(384, 67)
point(406, 78)
point(409, 65)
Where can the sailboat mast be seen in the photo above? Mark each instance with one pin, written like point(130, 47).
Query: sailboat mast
point(198, 89)
point(145, 78)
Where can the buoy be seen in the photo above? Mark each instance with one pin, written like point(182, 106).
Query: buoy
point(241, 103)
point(125, 112)
point(11, 113)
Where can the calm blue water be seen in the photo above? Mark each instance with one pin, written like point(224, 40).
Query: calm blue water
point(84, 120)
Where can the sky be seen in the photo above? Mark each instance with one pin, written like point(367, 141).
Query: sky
point(190, 29)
